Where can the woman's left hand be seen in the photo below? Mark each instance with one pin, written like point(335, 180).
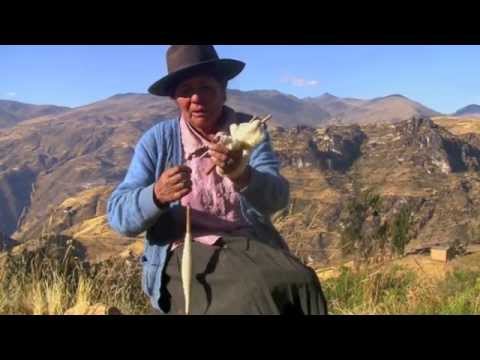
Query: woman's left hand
point(225, 159)
point(231, 163)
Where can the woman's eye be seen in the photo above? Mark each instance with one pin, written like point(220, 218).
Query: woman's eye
point(188, 91)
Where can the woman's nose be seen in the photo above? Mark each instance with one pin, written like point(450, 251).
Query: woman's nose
point(195, 97)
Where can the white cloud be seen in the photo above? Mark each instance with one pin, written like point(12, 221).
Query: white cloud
point(11, 94)
point(299, 82)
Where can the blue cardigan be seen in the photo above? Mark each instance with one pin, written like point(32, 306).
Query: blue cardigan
point(132, 210)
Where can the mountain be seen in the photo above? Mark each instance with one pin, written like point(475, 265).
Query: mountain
point(413, 166)
point(47, 159)
point(336, 106)
point(50, 158)
point(387, 109)
point(470, 110)
point(13, 112)
point(390, 109)
point(58, 170)
point(286, 110)
point(328, 100)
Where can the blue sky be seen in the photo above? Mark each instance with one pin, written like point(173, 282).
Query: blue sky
point(444, 78)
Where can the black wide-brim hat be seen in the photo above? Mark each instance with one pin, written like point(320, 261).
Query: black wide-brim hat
point(184, 61)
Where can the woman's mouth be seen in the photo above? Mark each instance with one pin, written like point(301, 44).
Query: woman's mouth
point(199, 113)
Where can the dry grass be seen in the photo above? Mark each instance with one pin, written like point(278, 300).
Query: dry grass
point(459, 125)
point(49, 283)
point(406, 285)
point(299, 224)
point(400, 291)
point(52, 279)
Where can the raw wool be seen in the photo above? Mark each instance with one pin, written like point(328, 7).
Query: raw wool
point(243, 137)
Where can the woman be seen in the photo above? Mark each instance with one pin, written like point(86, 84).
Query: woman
point(241, 265)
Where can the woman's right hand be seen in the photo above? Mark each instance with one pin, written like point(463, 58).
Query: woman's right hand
point(173, 185)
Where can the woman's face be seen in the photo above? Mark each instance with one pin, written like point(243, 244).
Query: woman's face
point(201, 100)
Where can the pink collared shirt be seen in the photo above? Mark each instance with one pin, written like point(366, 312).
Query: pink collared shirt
point(214, 203)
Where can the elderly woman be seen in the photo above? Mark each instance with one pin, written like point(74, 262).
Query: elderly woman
point(241, 265)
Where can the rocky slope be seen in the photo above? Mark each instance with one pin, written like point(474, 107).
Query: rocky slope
point(57, 171)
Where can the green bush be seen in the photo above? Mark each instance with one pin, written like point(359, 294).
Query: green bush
point(399, 230)
point(391, 237)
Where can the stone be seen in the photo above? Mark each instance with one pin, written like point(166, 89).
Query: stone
point(97, 309)
point(441, 253)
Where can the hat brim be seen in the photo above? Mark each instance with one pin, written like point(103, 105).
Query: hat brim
point(226, 68)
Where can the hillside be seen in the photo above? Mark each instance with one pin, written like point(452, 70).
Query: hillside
point(14, 112)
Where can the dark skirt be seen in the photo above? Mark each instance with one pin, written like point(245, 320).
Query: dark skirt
point(242, 276)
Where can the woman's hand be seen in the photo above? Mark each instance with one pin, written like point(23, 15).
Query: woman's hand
point(173, 185)
point(232, 164)
point(224, 159)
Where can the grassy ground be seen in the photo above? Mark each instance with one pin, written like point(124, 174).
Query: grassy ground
point(402, 291)
point(53, 280)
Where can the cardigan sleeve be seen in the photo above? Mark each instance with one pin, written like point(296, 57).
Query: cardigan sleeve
point(131, 208)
